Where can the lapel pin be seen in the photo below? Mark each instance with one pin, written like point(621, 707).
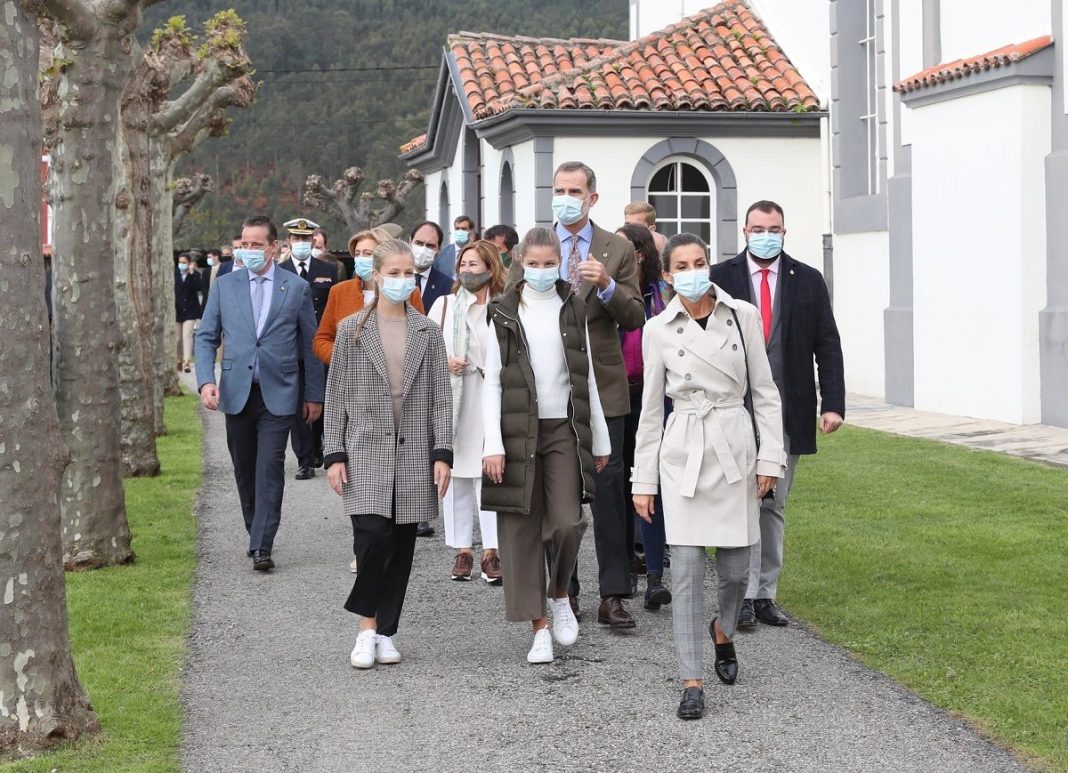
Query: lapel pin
point(605, 255)
point(791, 272)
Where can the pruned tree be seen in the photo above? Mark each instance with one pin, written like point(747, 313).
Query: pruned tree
point(344, 200)
point(92, 64)
point(220, 73)
point(41, 701)
point(188, 192)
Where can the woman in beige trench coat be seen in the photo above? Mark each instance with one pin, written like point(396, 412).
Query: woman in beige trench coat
point(705, 351)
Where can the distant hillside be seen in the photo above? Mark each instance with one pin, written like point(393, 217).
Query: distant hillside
point(322, 122)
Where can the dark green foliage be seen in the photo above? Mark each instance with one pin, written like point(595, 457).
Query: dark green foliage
point(321, 123)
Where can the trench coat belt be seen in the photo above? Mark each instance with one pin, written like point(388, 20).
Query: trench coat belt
point(696, 412)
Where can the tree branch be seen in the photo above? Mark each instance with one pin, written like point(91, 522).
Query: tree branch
point(76, 16)
point(210, 118)
point(396, 197)
point(188, 191)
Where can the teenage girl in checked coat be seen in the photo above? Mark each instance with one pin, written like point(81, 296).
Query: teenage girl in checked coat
point(387, 442)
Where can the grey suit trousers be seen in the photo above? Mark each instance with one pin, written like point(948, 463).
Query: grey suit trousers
point(765, 559)
point(688, 565)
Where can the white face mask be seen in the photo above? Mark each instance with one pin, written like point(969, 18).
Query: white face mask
point(316, 252)
point(424, 256)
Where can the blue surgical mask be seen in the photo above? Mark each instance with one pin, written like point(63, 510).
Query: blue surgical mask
point(460, 236)
point(183, 267)
point(301, 250)
point(568, 209)
point(363, 267)
point(541, 279)
point(254, 260)
point(765, 245)
point(211, 262)
point(398, 288)
point(692, 285)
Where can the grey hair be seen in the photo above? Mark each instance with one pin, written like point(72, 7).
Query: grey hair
point(578, 166)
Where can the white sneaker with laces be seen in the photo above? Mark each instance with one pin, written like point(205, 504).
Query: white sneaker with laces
point(363, 654)
point(352, 567)
point(565, 626)
point(542, 650)
point(385, 652)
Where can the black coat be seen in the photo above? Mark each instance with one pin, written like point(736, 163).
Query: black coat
point(435, 286)
point(809, 333)
point(322, 275)
point(186, 303)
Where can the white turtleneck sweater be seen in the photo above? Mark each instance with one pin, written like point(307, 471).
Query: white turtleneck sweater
point(539, 317)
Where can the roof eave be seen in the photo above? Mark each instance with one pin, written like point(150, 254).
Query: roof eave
point(520, 124)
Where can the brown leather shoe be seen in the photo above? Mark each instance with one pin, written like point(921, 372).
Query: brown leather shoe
point(491, 568)
point(612, 613)
point(463, 566)
point(573, 601)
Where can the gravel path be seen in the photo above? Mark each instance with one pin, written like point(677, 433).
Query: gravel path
point(268, 685)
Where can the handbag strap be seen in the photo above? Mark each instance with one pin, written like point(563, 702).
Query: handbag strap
point(748, 399)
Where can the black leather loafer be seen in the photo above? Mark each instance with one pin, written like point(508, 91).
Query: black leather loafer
point(726, 657)
point(305, 473)
point(768, 613)
point(261, 561)
point(656, 595)
point(424, 529)
point(747, 617)
point(692, 705)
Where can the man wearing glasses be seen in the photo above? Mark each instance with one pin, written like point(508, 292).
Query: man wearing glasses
point(799, 328)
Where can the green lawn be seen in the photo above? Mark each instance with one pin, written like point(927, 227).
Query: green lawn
point(947, 569)
point(128, 625)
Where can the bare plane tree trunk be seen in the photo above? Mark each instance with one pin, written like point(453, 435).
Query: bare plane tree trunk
point(96, 45)
point(188, 192)
point(41, 701)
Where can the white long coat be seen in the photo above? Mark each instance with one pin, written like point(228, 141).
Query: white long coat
point(705, 460)
point(467, 434)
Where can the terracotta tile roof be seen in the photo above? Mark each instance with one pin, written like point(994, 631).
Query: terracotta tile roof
point(721, 59)
point(494, 67)
point(962, 68)
point(413, 144)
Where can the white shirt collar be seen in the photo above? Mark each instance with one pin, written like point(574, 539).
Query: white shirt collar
point(773, 267)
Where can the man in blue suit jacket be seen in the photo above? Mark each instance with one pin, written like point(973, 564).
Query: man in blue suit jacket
point(264, 319)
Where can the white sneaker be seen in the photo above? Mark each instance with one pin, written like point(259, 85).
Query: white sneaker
point(542, 650)
point(352, 567)
point(565, 626)
point(363, 654)
point(385, 652)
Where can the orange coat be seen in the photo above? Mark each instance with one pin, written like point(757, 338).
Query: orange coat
point(346, 298)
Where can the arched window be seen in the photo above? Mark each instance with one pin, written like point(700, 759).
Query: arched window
point(443, 205)
point(683, 195)
point(507, 195)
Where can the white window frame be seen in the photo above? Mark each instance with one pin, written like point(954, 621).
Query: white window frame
point(680, 195)
point(870, 118)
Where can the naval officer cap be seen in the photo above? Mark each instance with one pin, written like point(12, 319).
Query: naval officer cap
point(300, 226)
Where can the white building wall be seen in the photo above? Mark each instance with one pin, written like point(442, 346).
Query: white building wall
point(523, 177)
point(971, 27)
point(801, 28)
point(432, 187)
point(979, 251)
point(491, 186)
point(784, 170)
point(910, 54)
point(647, 16)
point(861, 293)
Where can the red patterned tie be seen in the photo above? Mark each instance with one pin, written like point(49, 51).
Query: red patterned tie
point(765, 302)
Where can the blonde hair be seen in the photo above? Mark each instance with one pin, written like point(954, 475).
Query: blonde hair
point(643, 208)
point(385, 249)
point(356, 238)
point(539, 236)
point(488, 254)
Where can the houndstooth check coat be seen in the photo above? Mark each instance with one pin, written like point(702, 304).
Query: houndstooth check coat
point(390, 469)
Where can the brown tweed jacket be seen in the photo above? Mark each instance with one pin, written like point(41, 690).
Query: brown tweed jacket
point(390, 469)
